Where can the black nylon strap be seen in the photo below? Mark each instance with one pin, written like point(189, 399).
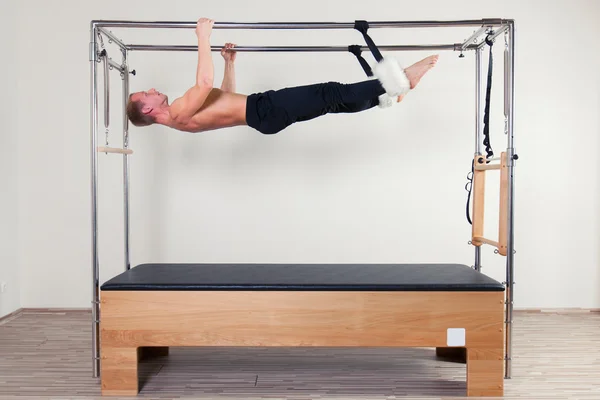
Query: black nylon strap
point(486, 129)
point(355, 49)
point(468, 188)
point(486, 115)
point(363, 26)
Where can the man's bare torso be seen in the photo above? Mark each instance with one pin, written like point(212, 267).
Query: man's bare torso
point(220, 110)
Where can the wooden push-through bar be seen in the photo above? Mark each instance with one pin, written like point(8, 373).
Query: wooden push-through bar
point(478, 238)
point(114, 150)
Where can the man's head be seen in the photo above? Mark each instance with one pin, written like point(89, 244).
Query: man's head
point(143, 107)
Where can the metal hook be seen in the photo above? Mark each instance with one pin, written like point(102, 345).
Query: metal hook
point(106, 133)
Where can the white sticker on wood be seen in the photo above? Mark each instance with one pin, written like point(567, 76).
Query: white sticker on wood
point(456, 337)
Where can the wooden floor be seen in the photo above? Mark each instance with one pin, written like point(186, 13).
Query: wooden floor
point(47, 355)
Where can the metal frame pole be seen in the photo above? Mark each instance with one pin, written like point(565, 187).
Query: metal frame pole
point(114, 65)
point(126, 161)
point(94, 194)
point(478, 130)
point(97, 26)
point(148, 47)
point(299, 25)
point(511, 157)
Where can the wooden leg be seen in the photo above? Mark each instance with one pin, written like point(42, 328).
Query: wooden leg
point(119, 371)
point(452, 354)
point(485, 372)
point(148, 353)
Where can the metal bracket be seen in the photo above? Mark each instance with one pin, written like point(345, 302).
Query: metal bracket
point(459, 47)
point(492, 21)
point(93, 51)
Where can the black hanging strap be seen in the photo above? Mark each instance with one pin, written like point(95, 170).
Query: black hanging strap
point(363, 27)
point(469, 188)
point(486, 115)
point(486, 129)
point(356, 50)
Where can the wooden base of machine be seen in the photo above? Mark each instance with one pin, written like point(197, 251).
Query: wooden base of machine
point(472, 322)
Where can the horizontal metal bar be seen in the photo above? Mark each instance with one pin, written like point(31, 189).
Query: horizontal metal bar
point(296, 25)
point(112, 37)
point(116, 66)
point(144, 47)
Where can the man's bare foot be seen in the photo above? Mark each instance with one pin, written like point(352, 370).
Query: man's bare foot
point(416, 71)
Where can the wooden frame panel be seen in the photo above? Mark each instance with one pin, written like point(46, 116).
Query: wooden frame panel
point(140, 319)
point(503, 214)
point(478, 189)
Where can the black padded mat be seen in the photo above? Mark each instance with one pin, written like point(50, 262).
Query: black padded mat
point(331, 277)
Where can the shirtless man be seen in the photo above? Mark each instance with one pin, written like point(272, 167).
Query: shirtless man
point(204, 107)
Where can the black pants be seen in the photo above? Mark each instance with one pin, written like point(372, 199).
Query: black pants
point(272, 111)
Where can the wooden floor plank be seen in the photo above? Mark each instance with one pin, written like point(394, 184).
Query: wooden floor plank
point(48, 355)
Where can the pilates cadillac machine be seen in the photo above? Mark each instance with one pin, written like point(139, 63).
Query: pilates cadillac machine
point(454, 308)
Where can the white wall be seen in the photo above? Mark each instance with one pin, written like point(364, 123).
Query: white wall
point(9, 272)
point(381, 186)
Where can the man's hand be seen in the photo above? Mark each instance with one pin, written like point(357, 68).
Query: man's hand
point(204, 27)
point(228, 52)
point(184, 108)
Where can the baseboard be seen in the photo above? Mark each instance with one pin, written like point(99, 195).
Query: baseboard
point(55, 310)
point(12, 315)
point(556, 310)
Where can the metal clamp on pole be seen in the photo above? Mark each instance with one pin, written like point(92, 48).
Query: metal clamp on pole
point(93, 51)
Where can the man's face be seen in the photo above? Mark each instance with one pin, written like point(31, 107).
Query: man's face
point(151, 99)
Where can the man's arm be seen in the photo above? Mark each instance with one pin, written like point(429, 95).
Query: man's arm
point(229, 54)
point(184, 108)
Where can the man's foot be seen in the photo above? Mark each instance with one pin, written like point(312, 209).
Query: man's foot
point(416, 71)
